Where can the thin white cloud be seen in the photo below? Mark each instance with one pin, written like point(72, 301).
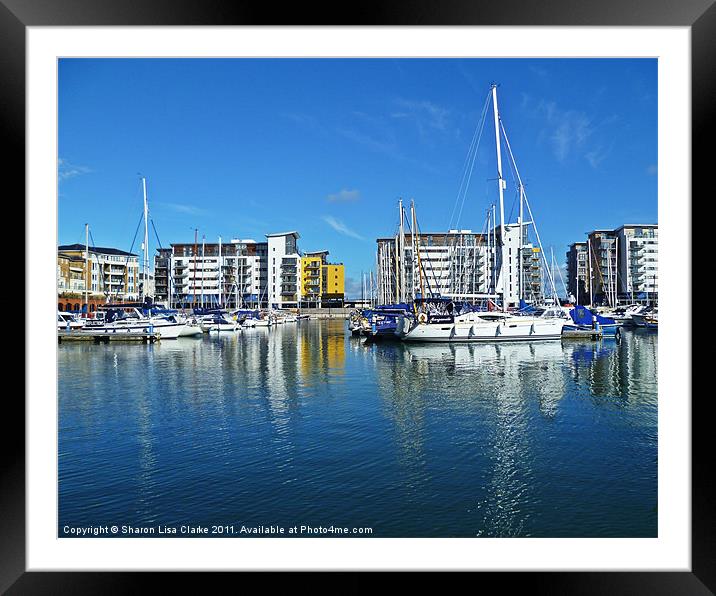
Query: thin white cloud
point(344, 196)
point(573, 129)
point(571, 133)
point(386, 145)
point(67, 170)
point(596, 157)
point(341, 228)
point(652, 169)
point(426, 114)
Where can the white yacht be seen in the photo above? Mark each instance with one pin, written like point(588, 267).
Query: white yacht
point(135, 322)
point(69, 322)
point(221, 323)
point(192, 327)
point(485, 326)
point(443, 320)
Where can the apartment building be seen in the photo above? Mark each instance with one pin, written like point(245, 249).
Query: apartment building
point(602, 266)
point(240, 273)
point(459, 264)
point(321, 282)
point(95, 274)
point(638, 261)
point(284, 267)
point(616, 266)
point(577, 276)
point(202, 274)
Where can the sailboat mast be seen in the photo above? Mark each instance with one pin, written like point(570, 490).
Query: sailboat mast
point(616, 273)
point(88, 275)
point(145, 244)
point(221, 280)
point(196, 255)
point(494, 252)
point(170, 281)
point(203, 249)
point(402, 254)
point(501, 186)
point(519, 246)
point(589, 255)
point(417, 249)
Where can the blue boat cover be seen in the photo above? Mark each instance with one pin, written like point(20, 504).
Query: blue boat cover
point(527, 308)
point(581, 315)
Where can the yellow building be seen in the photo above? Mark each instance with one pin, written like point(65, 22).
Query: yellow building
point(321, 281)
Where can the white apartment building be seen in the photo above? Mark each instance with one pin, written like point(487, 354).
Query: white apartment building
point(459, 264)
point(283, 269)
point(638, 261)
point(240, 273)
point(453, 264)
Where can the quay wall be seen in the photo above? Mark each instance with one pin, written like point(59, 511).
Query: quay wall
point(327, 313)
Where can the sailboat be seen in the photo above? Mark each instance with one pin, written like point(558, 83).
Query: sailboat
point(439, 321)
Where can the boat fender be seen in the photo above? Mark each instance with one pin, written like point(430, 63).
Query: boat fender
point(422, 318)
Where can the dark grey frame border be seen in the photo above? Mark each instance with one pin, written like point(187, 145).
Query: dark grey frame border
point(15, 15)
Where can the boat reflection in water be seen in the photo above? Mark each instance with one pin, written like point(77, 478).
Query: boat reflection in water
point(300, 424)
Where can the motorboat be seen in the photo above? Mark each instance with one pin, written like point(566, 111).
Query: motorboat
point(69, 322)
point(221, 323)
point(165, 327)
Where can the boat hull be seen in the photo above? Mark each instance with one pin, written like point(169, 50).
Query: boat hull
point(190, 331)
point(511, 330)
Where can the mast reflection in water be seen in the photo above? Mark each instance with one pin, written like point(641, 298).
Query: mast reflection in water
point(300, 424)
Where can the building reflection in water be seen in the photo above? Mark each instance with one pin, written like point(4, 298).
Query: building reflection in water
point(499, 389)
point(453, 439)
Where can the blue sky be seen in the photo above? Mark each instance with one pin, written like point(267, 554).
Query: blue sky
point(241, 148)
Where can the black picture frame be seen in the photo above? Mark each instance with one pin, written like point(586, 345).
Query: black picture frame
point(700, 15)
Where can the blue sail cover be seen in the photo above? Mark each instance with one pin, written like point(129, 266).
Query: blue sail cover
point(605, 320)
point(526, 308)
point(581, 315)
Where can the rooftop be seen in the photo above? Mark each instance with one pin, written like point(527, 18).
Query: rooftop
point(95, 249)
point(279, 234)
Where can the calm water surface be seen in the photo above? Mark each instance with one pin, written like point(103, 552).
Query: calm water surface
point(302, 425)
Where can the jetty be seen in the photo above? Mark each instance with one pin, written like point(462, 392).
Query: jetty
point(582, 334)
point(101, 337)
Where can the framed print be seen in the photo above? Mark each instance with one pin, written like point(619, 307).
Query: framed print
point(285, 342)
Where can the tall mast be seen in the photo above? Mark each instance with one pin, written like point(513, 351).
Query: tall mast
point(519, 246)
point(501, 187)
point(145, 244)
point(196, 255)
point(88, 275)
point(170, 281)
point(417, 249)
point(576, 267)
point(203, 248)
point(616, 272)
point(371, 288)
point(494, 251)
point(396, 295)
point(221, 281)
point(589, 258)
point(402, 296)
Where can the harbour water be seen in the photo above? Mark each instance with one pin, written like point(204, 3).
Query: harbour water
point(303, 425)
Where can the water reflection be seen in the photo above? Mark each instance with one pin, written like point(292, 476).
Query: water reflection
point(302, 423)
